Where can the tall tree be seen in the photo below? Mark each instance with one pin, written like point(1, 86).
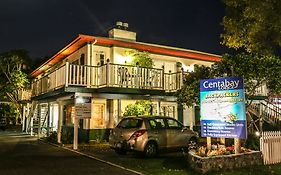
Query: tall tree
point(13, 77)
point(253, 25)
point(256, 70)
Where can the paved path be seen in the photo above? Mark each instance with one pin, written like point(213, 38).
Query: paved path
point(23, 155)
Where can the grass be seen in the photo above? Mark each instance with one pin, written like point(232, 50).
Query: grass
point(167, 164)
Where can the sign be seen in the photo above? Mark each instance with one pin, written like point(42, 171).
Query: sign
point(222, 103)
point(83, 107)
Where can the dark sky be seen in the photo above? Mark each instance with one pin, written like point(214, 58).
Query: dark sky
point(43, 27)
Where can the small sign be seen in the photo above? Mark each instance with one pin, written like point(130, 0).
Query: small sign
point(83, 107)
point(222, 104)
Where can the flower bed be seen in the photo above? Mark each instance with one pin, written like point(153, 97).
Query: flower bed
point(218, 150)
point(222, 159)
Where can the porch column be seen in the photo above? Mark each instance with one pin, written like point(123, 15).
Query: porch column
point(109, 109)
point(60, 117)
point(192, 117)
point(24, 112)
point(118, 108)
point(158, 107)
point(48, 118)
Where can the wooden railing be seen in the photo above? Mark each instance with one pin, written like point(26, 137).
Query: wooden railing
point(108, 75)
point(269, 111)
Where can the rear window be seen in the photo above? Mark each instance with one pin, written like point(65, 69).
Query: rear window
point(130, 123)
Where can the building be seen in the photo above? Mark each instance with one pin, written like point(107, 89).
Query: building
point(96, 69)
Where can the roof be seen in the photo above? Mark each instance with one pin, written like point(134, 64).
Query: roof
point(81, 40)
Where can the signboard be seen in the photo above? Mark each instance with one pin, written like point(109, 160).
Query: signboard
point(83, 107)
point(222, 103)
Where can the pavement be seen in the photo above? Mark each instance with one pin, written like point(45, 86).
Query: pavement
point(22, 154)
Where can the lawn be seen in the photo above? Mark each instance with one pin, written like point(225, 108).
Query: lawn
point(166, 164)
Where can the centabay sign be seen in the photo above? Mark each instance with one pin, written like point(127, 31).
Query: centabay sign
point(222, 108)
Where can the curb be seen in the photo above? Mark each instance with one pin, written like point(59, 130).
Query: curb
point(92, 157)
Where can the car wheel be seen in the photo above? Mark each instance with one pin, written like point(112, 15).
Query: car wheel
point(192, 144)
point(120, 151)
point(150, 150)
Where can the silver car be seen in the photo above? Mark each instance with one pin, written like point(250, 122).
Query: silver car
point(149, 134)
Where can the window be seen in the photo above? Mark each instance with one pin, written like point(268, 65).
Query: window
point(130, 123)
point(157, 123)
point(102, 56)
point(173, 124)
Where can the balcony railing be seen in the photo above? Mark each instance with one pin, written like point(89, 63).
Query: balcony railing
point(108, 75)
point(24, 94)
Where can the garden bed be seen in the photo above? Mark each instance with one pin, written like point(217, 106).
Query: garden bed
point(223, 162)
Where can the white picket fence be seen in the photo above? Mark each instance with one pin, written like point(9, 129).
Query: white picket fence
point(270, 145)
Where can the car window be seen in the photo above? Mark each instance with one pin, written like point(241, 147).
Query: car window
point(130, 123)
point(156, 123)
point(174, 124)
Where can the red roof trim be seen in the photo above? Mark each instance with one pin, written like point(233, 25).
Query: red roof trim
point(83, 39)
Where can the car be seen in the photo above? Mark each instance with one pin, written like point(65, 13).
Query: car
point(150, 134)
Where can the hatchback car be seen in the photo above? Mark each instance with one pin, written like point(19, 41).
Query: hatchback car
point(149, 134)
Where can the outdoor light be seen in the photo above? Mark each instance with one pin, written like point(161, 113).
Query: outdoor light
point(257, 133)
point(120, 59)
point(79, 100)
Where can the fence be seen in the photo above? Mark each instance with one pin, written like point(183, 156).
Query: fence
point(270, 145)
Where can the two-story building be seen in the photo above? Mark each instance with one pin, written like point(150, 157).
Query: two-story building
point(92, 68)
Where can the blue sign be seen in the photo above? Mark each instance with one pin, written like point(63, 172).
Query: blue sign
point(222, 104)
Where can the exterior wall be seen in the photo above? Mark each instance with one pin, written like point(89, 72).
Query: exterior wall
point(76, 55)
point(188, 116)
point(96, 50)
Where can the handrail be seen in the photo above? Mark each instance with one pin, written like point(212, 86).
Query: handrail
point(108, 75)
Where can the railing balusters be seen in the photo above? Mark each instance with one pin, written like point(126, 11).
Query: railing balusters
point(111, 75)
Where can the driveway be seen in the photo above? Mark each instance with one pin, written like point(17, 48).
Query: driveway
point(21, 154)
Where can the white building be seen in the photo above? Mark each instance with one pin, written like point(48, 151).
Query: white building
point(91, 67)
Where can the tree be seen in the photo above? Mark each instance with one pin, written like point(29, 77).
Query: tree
point(141, 59)
point(141, 107)
point(255, 69)
point(253, 25)
point(189, 93)
point(13, 77)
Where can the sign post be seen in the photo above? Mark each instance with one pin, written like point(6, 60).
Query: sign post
point(82, 111)
point(222, 103)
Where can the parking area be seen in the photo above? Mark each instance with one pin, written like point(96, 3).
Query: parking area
point(165, 163)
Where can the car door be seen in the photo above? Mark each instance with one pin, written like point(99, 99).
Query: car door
point(158, 132)
point(176, 134)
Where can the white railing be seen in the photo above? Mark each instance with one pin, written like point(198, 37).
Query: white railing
point(24, 94)
point(261, 90)
point(173, 81)
point(270, 146)
point(108, 75)
point(49, 82)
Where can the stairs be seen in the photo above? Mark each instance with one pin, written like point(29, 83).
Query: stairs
point(37, 119)
point(265, 112)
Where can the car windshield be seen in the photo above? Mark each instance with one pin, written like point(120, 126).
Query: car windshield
point(130, 123)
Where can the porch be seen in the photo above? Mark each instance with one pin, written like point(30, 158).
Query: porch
point(108, 76)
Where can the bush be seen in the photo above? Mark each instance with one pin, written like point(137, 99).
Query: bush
point(52, 137)
point(252, 142)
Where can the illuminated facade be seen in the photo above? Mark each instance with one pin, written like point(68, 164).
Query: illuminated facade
point(97, 67)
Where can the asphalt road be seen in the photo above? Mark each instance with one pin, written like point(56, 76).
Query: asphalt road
point(23, 155)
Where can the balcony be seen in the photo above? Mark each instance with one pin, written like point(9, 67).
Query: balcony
point(108, 75)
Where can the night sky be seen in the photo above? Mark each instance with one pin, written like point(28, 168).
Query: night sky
point(43, 27)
